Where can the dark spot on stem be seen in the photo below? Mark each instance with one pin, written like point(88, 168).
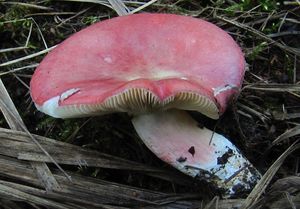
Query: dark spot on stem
point(224, 158)
point(192, 150)
point(181, 159)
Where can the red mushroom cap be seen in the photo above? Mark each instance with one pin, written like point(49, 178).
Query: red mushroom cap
point(140, 63)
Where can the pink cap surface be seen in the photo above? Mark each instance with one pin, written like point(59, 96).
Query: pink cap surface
point(138, 63)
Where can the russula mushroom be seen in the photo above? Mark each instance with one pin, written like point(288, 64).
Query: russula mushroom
point(153, 66)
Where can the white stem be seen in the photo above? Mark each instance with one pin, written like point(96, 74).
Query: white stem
point(177, 139)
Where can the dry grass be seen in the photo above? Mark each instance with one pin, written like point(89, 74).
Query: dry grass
point(99, 162)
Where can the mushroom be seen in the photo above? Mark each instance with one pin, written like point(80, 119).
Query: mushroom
point(153, 66)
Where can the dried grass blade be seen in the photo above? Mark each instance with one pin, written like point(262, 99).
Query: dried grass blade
point(15, 193)
point(282, 193)
point(281, 201)
point(274, 87)
point(261, 35)
point(27, 57)
point(19, 69)
point(290, 184)
point(289, 133)
point(214, 203)
point(102, 2)
point(18, 145)
point(59, 198)
point(90, 192)
point(13, 49)
point(15, 122)
point(119, 7)
point(9, 204)
point(230, 203)
point(143, 6)
point(285, 116)
point(267, 177)
point(9, 110)
point(290, 201)
point(28, 5)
